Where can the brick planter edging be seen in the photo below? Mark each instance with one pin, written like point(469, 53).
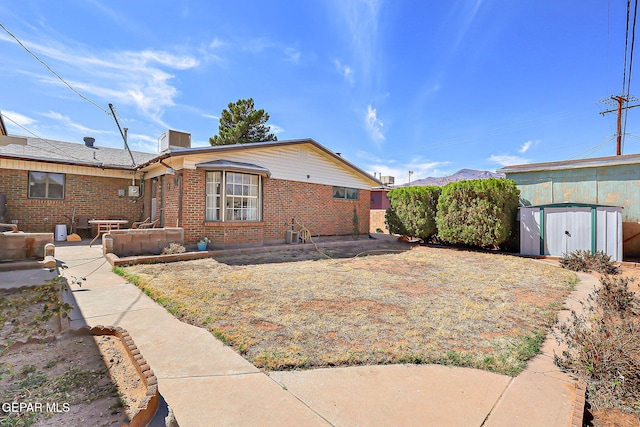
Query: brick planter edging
point(149, 404)
point(578, 406)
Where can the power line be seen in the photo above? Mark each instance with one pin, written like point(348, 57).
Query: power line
point(633, 41)
point(593, 149)
point(52, 71)
point(40, 138)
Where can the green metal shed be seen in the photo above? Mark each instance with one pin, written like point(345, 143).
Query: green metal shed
point(559, 228)
point(603, 181)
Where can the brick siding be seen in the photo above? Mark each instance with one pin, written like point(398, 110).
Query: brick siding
point(95, 197)
point(184, 205)
point(311, 204)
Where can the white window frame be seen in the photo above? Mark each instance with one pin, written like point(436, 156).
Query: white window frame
point(229, 196)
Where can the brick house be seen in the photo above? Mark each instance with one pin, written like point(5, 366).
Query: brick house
point(236, 195)
point(43, 181)
point(249, 194)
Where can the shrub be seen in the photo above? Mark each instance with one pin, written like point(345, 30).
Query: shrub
point(394, 225)
point(173, 248)
point(355, 223)
point(479, 212)
point(583, 261)
point(603, 344)
point(413, 211)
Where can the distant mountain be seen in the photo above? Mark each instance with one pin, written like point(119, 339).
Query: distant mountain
point(458, 176)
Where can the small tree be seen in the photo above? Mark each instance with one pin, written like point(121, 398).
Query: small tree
point(355, 222)
point(413, 211)
point(479, 212)
point(241, 123)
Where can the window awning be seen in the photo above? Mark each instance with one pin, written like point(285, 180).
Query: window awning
point(227, 165)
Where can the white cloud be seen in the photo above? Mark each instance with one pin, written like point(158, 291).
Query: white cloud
point(67, 121)
point(505, 160)
point(164, 58)
point(361, 18)
point(211, 116)
point(292, 55)
point(526, 146)
point(374, 125)
point(144, 143)
point(276, 129)
point(344, 70)
point(136, 78)
point(216, 43)
point(17, 118)
point(421, 168)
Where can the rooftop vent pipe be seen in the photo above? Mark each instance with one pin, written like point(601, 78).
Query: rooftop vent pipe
point(88, 141)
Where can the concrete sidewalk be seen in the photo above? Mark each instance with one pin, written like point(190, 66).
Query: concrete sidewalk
point(208, 384)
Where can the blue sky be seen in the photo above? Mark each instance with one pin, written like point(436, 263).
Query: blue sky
point(428, 86)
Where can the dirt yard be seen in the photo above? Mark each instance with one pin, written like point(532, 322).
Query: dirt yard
point(301, 309)
point(68, 381)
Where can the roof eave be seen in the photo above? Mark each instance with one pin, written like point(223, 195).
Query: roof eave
point(256, 145)
point(69, 163)
point(573, 164)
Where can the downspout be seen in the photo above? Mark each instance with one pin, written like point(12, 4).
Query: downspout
point(162, 179)
point(180, 184)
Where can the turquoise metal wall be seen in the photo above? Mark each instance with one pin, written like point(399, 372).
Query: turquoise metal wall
point(604, 185)
point(610, 185)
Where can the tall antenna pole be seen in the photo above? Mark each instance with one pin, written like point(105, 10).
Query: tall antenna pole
point(619, 100)
point(124, 137)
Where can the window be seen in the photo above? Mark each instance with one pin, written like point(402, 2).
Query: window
point(46, 185)
point(232, 196)
point(345, 193)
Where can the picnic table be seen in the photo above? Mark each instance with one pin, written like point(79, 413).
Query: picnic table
point(106, 225)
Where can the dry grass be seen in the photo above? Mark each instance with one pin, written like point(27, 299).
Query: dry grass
point(424, 305)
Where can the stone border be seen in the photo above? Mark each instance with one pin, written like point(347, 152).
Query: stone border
point(115, 260)
point(579, 405)
point(149, 405)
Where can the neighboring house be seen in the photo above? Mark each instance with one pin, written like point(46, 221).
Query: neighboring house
point(605, 181)
point(379, 205)
point(236, 195)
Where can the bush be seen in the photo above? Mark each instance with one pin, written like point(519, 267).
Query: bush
point(413, 211)
point(173, 248)
point(479, 212)
point(394, 224)
point(603, 345)
point(583, 261)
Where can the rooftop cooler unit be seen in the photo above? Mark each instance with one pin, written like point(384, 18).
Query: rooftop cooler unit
point(174, 139)
point(387, 180)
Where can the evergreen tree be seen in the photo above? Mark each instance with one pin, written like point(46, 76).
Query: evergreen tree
point(241, 123)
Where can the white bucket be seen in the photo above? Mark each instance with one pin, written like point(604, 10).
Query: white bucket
point(61, 232)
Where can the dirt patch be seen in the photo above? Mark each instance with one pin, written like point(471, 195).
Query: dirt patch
point(130, 386)
point(391, 304)
point(61, 383)
point(613, 418)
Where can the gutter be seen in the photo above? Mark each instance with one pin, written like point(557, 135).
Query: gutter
point(75, 163)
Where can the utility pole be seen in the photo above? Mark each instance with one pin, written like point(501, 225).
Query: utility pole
point(410, 173)
point(619, 100)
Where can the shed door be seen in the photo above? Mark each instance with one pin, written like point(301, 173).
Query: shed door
point(567, 230)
